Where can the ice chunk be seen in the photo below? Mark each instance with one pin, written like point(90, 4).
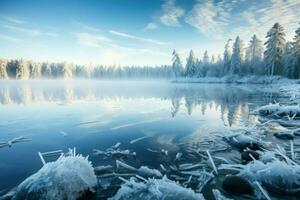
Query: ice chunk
point(276, 175)
point(155, 189)
point(69, 177)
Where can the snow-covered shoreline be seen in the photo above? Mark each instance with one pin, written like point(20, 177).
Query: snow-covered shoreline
point(239, 80)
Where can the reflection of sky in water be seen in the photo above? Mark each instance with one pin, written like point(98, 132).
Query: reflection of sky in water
point(100, 114)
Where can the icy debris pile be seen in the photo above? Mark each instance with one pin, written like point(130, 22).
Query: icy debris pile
point(69, 177)
point(114, 152)
point(280, 110)
point(155, 189)
point(293, 90)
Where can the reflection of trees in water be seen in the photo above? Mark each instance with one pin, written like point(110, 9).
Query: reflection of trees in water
point(230, 101)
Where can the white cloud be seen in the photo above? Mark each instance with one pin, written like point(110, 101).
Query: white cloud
point(125, 35)
point(171, 13)
point(209, 18)
point(151, 26)
point(260, 18)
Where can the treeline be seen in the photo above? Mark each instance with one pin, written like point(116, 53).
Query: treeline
point(22, 69)
point(275, 57)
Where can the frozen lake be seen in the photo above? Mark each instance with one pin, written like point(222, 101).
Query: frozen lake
point(88, 115)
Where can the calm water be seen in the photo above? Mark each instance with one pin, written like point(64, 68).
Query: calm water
point(98, 114)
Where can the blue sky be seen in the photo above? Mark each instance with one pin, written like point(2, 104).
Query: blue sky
point(134, 32)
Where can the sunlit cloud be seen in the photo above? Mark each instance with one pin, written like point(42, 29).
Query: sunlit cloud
point(125, 35)
point(209, 19)
point(171, 13)
point(261, 19)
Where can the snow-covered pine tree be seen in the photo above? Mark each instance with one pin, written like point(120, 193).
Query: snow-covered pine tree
point(296, 55)
point(205, 58)
point(3, 70)
point(274, 49)
point(22, 70)
point(177, 64)
point(227, 57)
point(67, 71)
point(237, 57)
point(35, 70)
point(191, 65)
point(254, 55)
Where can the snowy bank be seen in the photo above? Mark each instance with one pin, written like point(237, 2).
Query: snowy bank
point(236, 79)
point(69, 177)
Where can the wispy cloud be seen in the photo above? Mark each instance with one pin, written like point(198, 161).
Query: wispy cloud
point(14, 20)
point(32, 32)
point(9, 38)
point(87, 27)
point(125, 35)
point(151, 26)
point(171, 13)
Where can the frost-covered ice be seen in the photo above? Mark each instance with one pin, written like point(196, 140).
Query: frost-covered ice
point(277, 175)
point(69, 177)
point(280, 110)
point(155, 189)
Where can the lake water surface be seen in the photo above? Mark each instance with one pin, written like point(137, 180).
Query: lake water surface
point(88, 115)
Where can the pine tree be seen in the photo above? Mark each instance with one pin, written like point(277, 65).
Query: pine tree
point(35, 70)
point(227, 57)
point(274, 49)
point(205, 58)
point(3, 70)
point(177, 64)
point(254, 54)
point(296, 54)
point(237, 57)
point(191, 65)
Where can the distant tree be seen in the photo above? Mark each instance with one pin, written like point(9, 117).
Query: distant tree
point(274, 49)
point(191, 65)
point(66, 71)
point(296, 54)
point(237, 57)
point(35, 70)
point(205, 58)
point(227, 57)
point(254, 55)
point(177, 64)
point(46, 70)
point(3, 70)
point(22, 70)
